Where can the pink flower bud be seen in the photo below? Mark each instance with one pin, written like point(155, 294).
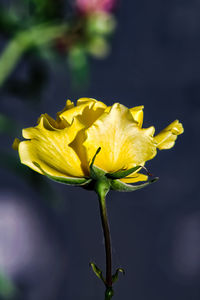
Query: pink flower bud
point(91, 6)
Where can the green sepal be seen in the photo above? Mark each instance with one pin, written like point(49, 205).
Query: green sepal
point(97, 272)
point(116, 275)
point(95, 172)
point(120, 186)
point(122, 174)
point(65, 180)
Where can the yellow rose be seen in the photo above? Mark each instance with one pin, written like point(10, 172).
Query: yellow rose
point(65, 149)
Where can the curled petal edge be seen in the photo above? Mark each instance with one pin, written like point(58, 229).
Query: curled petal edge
point(65, 180)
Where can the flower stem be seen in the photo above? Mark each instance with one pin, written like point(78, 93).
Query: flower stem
point(102, 191)
point(106, 232)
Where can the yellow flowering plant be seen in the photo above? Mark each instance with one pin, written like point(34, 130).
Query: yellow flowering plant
point(99, 148)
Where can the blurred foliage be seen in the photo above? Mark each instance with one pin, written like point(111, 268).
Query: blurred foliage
point(50, 30)
point(8, 290)
point(78, 64)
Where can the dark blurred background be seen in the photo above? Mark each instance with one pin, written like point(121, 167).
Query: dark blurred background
point(148, 53)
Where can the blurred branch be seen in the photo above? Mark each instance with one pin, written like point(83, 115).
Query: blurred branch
point(35, 37)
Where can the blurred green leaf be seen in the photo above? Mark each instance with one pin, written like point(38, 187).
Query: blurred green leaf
point(10, 58)
point(79, 66)
point(34, 37)
point(7, 287)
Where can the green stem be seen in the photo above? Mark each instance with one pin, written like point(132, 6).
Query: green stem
point(102, 189)
point(106, 232)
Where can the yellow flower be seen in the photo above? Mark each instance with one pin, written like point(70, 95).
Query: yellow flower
point(64, 148)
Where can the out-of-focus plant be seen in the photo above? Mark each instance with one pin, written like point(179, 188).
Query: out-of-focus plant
point(90, 6)
point(51, 29)
point(8, 290)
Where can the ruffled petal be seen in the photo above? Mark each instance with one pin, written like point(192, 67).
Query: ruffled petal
point(167, 137)
point(51, 124)
point(123, 144)
point(69, 105)
point(87, 111)
point(50, 149)
point(137, 113)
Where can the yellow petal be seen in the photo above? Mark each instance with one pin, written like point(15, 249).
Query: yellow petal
point(123, 144)
point(87, 111)
point(50, 149)
point(137, 113)
point(51, 124)
point(69, 104)
point(166, 138)
point(91, 101)
point(59, 123)
point(135, 177)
